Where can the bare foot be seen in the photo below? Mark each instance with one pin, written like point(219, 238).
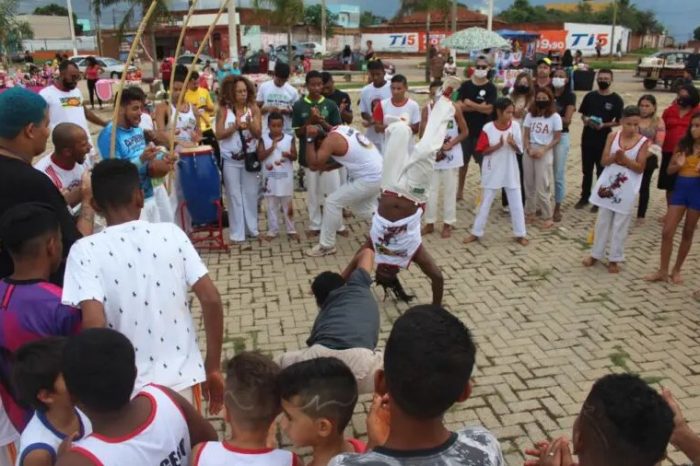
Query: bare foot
point(446, 231)
point(293, 236)
point(676, 278)
point(639, 222)
point(658, 276)
point(589, 261)
point(529, 219)
point(522, 241)
point(344, 233)
point(312, 233)
point(613, 267)
point(428, 228)
point(269, 236)
point(547, 224)
point(470, 239)
point(662, 219)
point(557, 215)
point(347, 213)
point(460, 197)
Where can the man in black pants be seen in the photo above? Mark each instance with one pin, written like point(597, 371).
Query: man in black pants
point(600, 110)
point(476, 97)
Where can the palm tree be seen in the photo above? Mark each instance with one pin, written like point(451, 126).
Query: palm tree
point(139, 6)
point(12, 31)
point(284, 13)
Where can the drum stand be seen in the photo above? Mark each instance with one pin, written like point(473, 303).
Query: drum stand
point(207, 237)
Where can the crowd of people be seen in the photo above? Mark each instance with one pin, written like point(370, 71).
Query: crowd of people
point(99, 362)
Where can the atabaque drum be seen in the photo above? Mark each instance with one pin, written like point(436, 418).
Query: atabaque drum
point(201, 184)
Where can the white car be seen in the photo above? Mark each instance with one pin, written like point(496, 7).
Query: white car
point(111, 67)
point(317, 50)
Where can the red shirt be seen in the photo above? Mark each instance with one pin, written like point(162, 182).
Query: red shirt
point(92, 72)
point(166, 68)
point(676, 125)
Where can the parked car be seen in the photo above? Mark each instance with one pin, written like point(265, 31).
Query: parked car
point(112, 68)
point(668, 67)
point(297, 50)
point(187, 58)
point(314, 49)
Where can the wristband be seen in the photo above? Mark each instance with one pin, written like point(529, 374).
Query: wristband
point(310, 140)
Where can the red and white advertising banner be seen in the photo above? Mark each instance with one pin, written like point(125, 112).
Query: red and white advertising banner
point(551, 39)
point(394, 42)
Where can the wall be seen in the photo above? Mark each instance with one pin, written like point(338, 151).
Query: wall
point(48, 27)
point(88, 44)
point(583, 37)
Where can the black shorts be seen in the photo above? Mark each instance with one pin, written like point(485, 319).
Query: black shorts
point(468, 150)
point(666, 181)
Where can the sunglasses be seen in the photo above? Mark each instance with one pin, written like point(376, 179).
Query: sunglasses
point(481, 67)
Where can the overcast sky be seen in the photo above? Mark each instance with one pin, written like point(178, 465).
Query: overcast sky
point(679, 16)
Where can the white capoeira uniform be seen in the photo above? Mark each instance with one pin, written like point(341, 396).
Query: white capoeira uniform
point(364, 165)
point(224, 454)
point(615, 193)
point(396, 243)
point(408, 175)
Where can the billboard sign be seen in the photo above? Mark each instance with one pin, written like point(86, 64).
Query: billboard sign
point(584, 37)
point(394, 42)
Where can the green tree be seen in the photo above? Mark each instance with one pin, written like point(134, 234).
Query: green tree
point(137, 9)
point(286, 14)
point(696, 33)
point(367, 18)
point(12, 30)
point(312, 17)
point(52, 9)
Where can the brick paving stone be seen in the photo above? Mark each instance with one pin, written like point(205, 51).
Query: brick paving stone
point(546, 328)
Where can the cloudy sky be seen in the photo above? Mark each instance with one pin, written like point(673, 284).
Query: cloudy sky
point(679, 16)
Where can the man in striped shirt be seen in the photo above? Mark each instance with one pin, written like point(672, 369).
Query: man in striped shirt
point(65, 165)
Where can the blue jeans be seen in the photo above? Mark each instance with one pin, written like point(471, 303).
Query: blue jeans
point(561, 152)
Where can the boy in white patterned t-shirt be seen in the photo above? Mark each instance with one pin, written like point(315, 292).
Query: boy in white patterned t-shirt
point(134, 277)
point(397, 107)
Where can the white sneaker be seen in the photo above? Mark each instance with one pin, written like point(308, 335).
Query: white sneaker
point(320, 251)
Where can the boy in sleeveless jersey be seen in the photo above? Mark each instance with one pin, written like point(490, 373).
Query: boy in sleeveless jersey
point(252, 404)
point(318, 399)
point(39, 383)
point(156, 427)
point(624, 158)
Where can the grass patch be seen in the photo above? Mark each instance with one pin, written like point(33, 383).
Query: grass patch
point(613, 65)
point(539, 274)
point(619, 358)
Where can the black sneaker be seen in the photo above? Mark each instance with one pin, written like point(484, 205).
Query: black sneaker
point(594, 209)
point(581, 204)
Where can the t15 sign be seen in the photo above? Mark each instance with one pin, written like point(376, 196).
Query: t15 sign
point(585, 40)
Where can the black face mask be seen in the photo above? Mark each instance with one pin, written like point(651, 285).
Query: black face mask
point(603, 85)
point(522, 89)
point(684, 101)
point(542, 104)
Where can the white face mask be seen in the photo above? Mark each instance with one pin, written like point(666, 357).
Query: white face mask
point(559, 82)
point(481, 74)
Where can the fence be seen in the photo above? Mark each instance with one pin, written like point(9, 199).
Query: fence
point(60, 45)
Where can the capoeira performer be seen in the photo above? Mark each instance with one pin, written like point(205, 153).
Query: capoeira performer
point(395, 234)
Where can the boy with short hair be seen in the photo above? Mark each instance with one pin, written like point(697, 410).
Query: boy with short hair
point(252, 404)
point(39, 383)
point(318, 399)
point(397, 107)
point(31, 307)
point(428, 364)
point(157, 426)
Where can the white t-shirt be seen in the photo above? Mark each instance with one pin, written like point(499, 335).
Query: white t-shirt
point(370, 97)
point(617, 187)
point(8, 433)
point(454, 158)
point(362, 160)
point(281, 97)
point(278, 171)
point(66, 107)
point(61, 178)
point(141, 272)
point(500, 168)
point(389, 112)
point(225, 454)
point(41, 435)
point(542, 128)
point(146, 122)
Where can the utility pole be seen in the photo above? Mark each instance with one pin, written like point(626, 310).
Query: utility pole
point(232, 33)
point(323, 25)
point(489, 25)
point(454, 16)
point(612, 35)
point(72, 28)
point(427, 47)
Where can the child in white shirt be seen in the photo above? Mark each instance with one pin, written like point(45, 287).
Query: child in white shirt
point(624, 158)
point(39, 383)
point(499, 142)
point(397, 107)
point(543, 128)
point(277, 154)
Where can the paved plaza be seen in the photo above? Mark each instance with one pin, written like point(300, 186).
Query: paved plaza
point(545, 326)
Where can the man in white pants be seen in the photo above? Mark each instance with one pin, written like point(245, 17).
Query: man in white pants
point(344, 146)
